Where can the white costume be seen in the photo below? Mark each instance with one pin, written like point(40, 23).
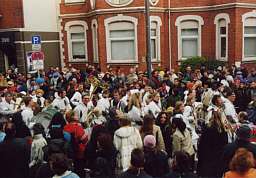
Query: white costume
point(61, 103)
point(27, 115)
point(103, 104)
point(82, 111)
point(7, 108)
point(76, 98)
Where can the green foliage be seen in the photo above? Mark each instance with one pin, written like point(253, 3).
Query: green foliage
point(197, 62)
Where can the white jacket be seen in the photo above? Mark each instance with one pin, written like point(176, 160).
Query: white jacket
point(37, 153)
point(125, 140)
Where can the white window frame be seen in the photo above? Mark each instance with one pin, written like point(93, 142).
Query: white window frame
point(178, 23)
point(69, 42)
point(218, 18)
point(92, 2)
point(244, 17)
point(153, 3)
point(94, 26)
point(118, 5)
point(74, 1)
point(120, 18)
point(158, 21)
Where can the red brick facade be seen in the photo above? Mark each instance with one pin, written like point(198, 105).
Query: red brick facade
point(168, 13)
point(12, 14)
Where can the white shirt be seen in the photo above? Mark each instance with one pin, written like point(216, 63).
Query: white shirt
point(27, 115)
point(35, 99)
point(62, 103)
point(230, 110)
point(82, 111)
point(135, 114)
point(7, 108)
point(103, 104)
point(153, 108)
point(76, 98)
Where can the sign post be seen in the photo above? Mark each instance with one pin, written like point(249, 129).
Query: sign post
point(36, 43)
point(37, 55)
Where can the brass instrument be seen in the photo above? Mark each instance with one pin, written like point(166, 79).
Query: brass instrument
point(95, 83)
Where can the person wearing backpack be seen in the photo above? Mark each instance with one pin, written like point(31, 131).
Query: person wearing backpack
point(79, 139)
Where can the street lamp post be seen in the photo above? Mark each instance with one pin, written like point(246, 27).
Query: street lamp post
point(148, 41)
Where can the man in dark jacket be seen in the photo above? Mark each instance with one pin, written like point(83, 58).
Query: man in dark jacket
point(242, 141)
point(137, 166)
point(14, 154)
point(156, 161)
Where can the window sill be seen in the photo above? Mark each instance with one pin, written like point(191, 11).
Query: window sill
point(78, 61)
point(123, 63)
point(249, 59)
point(73, 3)
point(222, 59)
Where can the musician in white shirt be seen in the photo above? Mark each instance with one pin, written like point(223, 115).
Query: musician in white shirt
point(83, 108)
point(7, 105)
point(61, 102)
point(229, 108)
point(77, 97)
point(103, 103)
point(27, 113)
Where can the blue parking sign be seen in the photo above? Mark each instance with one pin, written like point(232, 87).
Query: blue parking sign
point(36, 39)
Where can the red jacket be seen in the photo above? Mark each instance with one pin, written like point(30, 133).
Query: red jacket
point(80, 135)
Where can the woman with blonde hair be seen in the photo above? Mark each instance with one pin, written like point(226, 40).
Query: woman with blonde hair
point(134, 109)
point(242, 165)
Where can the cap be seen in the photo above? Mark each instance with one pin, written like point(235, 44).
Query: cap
point(150, 141)
point(243, 132)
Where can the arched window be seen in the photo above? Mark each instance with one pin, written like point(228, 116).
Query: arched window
point(249, 36)
point(221, 21)
point(77, 41)
point(121, 39)
point(189, 36)
point(119, 3)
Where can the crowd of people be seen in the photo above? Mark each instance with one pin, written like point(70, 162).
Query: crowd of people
point(74, 123)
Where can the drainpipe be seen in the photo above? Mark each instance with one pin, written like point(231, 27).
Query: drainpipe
point(169, 33)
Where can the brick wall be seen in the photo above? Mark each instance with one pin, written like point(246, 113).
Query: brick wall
point(208, 30)
point(12, 14)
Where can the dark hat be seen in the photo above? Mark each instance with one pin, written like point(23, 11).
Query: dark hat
point(243, 132)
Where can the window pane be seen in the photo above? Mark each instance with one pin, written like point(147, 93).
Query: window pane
point(121, 33)
point(223, 30)
point(250, 46)
point(223, 47)
point(153, 48)
point(95, 44)
point(189, 32)
point(122, 50)
point(78, 50)
point(189, 48)
point(250, 30)
point(153, 32)
point(75, 36)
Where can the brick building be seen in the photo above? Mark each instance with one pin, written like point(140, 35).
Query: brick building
point(19, 21)
point(112, 32)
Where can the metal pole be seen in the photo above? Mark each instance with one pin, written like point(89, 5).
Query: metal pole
point(148, 40)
